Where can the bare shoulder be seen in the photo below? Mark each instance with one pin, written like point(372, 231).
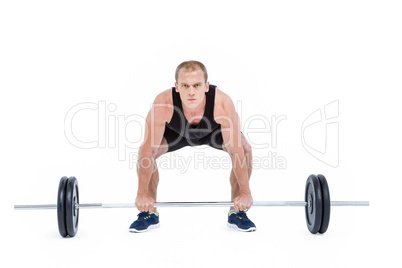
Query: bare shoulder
point(164, 97)
point(163, 105)
point(223, 104)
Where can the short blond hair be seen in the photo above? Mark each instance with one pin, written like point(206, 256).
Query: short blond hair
point(190, 66)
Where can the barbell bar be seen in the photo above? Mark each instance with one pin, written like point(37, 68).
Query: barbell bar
point(317, 205)
point(193, 204)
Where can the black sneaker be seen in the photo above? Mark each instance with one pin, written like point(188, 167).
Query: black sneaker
point(239, 220)
point(145, 222)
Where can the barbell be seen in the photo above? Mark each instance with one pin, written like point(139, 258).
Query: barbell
point(317, 205)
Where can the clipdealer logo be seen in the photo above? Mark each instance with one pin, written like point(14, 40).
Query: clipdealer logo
point(104, 128)
point(319, 134)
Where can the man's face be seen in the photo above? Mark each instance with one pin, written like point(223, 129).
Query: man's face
point(191, 87)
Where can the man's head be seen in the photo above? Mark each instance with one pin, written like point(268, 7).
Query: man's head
point(191, 83)
point(189, 66)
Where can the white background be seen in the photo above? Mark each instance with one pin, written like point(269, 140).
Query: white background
point(276, 58)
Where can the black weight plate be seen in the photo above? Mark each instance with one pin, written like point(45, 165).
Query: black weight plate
point(326, 204)
point(61, 206)
point(72, 212)
point(313, 196)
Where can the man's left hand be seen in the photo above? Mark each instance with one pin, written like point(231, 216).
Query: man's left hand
point(243, 202)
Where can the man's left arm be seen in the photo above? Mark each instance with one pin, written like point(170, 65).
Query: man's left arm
point(230, 126)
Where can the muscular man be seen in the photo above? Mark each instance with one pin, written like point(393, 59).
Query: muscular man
point(193, 113)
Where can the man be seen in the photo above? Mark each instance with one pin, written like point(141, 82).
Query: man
point(193, 113)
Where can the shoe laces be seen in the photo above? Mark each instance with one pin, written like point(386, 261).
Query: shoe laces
point(142, 215)
point(242, 215)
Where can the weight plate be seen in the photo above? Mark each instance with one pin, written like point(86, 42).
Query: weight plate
point(326, 204)
point(313, 196)
point(61, 206)
point(72, 211)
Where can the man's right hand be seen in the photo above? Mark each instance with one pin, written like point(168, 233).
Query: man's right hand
point(144, 202)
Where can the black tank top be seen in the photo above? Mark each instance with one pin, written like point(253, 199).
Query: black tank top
point(180, 125)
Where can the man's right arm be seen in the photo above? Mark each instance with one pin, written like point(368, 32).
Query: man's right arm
point(154, 129)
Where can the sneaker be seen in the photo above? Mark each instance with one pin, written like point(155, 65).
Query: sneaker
point(239, 220)
point(145, 222)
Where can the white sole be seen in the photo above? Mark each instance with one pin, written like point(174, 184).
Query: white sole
point(152, 226)
point(234, 226)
